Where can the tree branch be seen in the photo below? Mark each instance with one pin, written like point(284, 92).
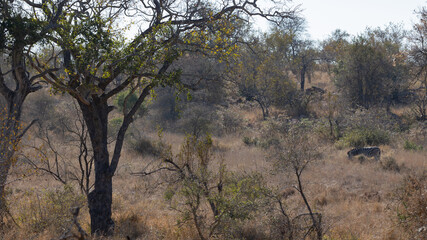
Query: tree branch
point(4, 90)
point(27, 128)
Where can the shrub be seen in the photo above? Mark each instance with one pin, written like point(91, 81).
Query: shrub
point(412, 207)
point(250, 231)
point(365, 74)
point(365, 136)
point(50, 210)
point(250, 141)
point(231, 122)
point(340, 144)
point(323, 130)
point(272, 132)
point(299, 105)
point(197, 120)
point(390, 164)
point(194, 184)
point(370, 122)
point(145, 147)
point(298, 149)
point(412, 146)
point(130, 225)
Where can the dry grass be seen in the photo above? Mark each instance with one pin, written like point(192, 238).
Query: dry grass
point(354, 197)
point(414, 161)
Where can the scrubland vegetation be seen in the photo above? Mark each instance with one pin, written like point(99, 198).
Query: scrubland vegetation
point(221, 132)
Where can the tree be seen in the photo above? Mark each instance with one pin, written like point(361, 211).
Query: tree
point(96, 54)
point(418, 58)
point(305, 61)
point(265, 67)
point(293, 154)
point(373, 68)
point(333, 48)
point(297, 50)
point(261, 74)
point(19, 32)
point(196, 183)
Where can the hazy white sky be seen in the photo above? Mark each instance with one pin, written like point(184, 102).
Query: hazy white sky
point(353, 16)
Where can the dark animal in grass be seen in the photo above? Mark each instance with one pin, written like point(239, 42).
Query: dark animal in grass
point(366, 151)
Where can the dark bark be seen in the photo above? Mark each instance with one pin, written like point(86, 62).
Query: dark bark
point(316, 224)
point(11, 133)
point(100, 198)
point(212, 204)
point(17, 47)
point(331, 128)
point(5, 164)
point(288, 230)
point(10, 125)
point(264, 108)
point(95, 109)
point(302, 73)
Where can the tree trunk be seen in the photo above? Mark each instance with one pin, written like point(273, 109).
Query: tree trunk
point(316, 224)
point(265, 112)
point(100, 198)
point(302, 73)
point(5, 164)
point(10, 131)
point(331, 126)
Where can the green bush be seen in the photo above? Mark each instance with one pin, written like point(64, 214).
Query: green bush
point(119, 101)
point(250, 141)
point(412, 146)
point(268, 142)
point(365, 136)
point(197, 180)
point(114, 125)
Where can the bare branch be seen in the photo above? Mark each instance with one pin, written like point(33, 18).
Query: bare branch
point(26, 129)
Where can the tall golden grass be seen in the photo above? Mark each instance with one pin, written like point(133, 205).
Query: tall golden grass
point(356, 198)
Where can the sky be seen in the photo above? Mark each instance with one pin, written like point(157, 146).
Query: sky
point(353, 16)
